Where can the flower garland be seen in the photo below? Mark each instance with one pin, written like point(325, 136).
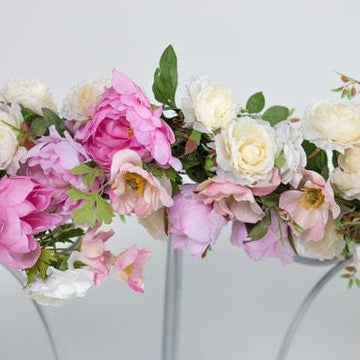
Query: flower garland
point(286, 184)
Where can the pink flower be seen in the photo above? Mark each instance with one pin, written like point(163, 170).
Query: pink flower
point(93, 253)
point(134, 189)
point(129, 267)
point(50, 162)
point(193, 225)
point(266, 188)
point(124, 119)
point(268, 246)
point(229, 199)
point(309, 206)
point(23, 204)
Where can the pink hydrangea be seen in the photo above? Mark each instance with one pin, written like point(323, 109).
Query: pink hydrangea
point(229, 199)
point(193, 225)
point(50, 162)
point(135, 190)
point(23, 205)
point(129, 267)
point(94, 254)
point(268, 246)
point(310, 205)
point(124, 119)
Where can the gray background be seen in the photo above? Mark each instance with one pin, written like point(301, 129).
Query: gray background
point(233, 308)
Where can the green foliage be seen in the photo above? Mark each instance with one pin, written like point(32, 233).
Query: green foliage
point(89, 173)
point(255, 103)
point(46, 259)
point(193, 142)
point(316, 159)
point(275, 114)
point(271, 200)
point(280, 160)
point(259, 230)
point(166, 78)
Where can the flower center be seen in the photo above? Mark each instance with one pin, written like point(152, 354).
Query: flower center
point(130, 131)
point(312, 198)
point(129, 269)
point(135, 183)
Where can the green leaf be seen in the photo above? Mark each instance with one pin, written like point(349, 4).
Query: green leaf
point(337, 89)
point(193, 142)
point(166, 78)
point(357, 280)
point(77, 195)
point(104, 211)
point(38, 126)
point(69, 234)
point(90, 173)
point(84, 214)
point(255, 103)
point(64, 265)
point(47, 257)
point(258, 231)
point(279, 160)
point(351, 283)
point(291, 240)
point(270, 200)
point(275, 114)
point(122, 218)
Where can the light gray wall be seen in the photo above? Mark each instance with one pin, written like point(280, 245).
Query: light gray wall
point(233, 307)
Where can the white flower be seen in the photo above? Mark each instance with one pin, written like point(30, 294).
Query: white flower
point(289, 137)
point(350, 160)
point(208, 105)
point(82, 97)
point(246, 151)
point(155, 224)
point(10, 150)
point(333, 125)
point(33, 95)
point(61, 286)
point(330, 246)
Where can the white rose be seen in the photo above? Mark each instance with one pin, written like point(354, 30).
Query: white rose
point(208, 105)
point(246, 151)
point(347, 184)
point(350, 160)
point(333, 125)
point(82, 97)
point(61, 286)
point(10, 151)
point(289, 137)
point(330, 246)
point(33, 95)
point(155, 224)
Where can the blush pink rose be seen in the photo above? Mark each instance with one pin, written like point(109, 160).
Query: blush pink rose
point(229, 199)
point(94, 254)
point(23, 205)
point(266, 188)
point(124, 119)
point(310, 205)
point(193, 225)
point(268, 246)
point(129, 267)
point(135, 190)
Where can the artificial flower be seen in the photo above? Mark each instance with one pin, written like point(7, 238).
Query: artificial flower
point(155, 224)
point(133, 189)
point(246, 151)
point(129, 267)
point(124, 119)
point(23, 205)
point(208, 106)
point(193, 225)
point(310, 205)
point(347, 184)
point(32, 95)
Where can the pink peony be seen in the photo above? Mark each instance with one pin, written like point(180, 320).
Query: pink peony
point(268, 246)
point(129, 267)
point(193, 225)
point(229, 199)
point(309, 206)
point(50, 162)
point(124, 119)
point(93, 253)
point(23, 204)
point(134, 189)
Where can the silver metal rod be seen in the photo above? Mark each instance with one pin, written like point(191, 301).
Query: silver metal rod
point(314, 262)
point(172, 305)
point(305, 305)
point(40, 311)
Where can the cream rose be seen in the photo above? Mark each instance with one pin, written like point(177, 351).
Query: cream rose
point(350, 160)
point(82, 97)
point(329, 246)
point(333, 125)
point(33, 95)
point(208, 105)
point(246, 151)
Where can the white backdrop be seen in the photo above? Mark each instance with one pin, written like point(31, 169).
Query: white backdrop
point(233, 308)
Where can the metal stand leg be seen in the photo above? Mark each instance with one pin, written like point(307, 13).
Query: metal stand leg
point(41, 313)
point(171, 324)
point(307, 302)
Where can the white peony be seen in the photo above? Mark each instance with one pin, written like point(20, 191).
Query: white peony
point(208, 106)
point(333, 125)
point(350, 160)
point(289, 137)
point(246, 151)
point(330, 246)
point(10, 150)
point(82, 97)
point(33, 95)
point(61, 286)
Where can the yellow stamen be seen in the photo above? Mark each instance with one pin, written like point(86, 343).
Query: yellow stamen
point(129, 269)
point(135, 183)
point(312, 198)
point(130, 132)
